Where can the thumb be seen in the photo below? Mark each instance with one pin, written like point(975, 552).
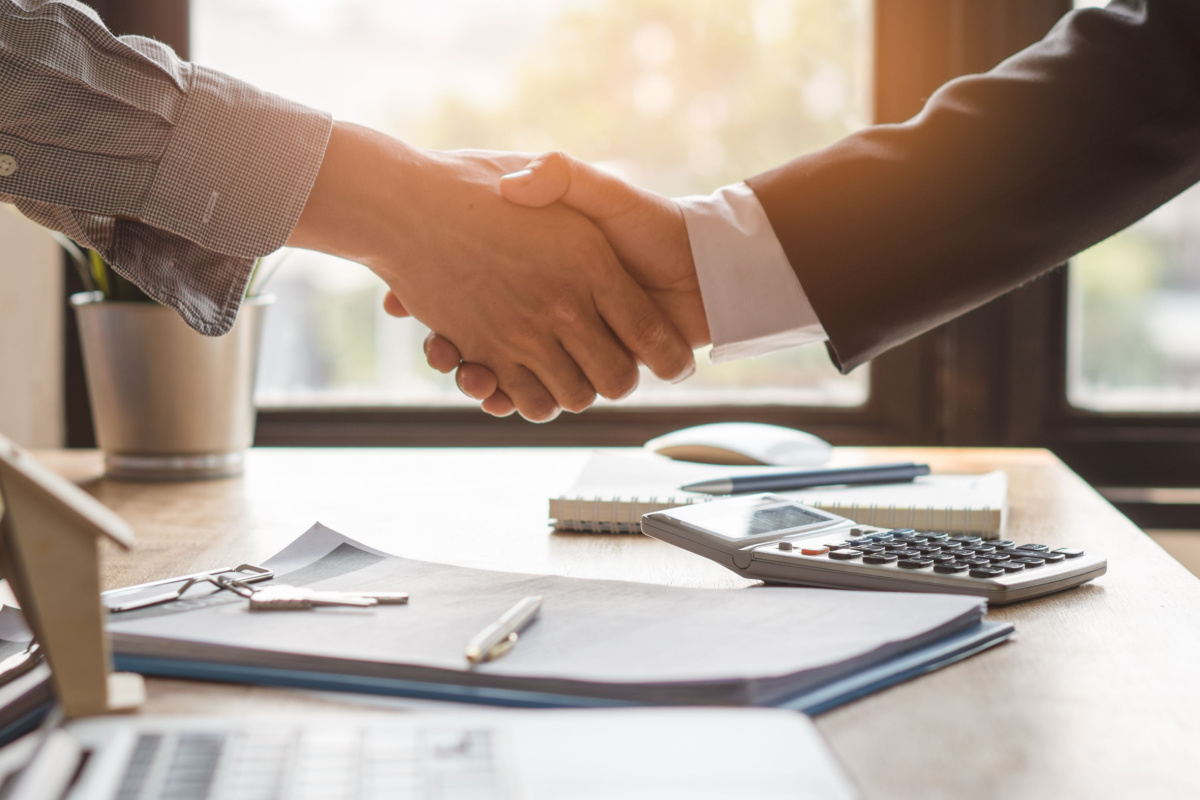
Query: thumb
point(557, 177)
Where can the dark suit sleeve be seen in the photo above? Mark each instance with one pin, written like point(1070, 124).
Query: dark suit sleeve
point(1001, 177)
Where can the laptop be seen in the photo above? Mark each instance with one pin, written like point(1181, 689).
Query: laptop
point(697, 754)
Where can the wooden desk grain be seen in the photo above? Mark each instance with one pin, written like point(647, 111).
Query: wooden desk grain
point(1098, 697)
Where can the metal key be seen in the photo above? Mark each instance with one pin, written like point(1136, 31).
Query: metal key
point(384, 598)
point(297, 598)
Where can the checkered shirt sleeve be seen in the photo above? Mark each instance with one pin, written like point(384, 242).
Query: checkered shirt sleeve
point(178, 175)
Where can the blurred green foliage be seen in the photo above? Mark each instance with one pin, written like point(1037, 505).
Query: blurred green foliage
point(681, 97)
point(1115, 279)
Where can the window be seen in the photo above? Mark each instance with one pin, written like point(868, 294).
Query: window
point(1033, 368)
point(1134, 315)
point(678, 96)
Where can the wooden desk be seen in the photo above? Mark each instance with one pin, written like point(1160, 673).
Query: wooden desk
point(1098, 697)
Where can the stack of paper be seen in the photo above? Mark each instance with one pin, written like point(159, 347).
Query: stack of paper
point(603, 640)
point(25, 691)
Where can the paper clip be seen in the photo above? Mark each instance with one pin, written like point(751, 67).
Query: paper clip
point(247, 573)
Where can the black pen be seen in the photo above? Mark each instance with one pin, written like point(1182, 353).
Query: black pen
point(782, 481)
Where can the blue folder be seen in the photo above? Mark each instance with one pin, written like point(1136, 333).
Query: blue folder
point(814, 701)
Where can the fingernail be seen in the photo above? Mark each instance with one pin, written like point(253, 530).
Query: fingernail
point(688, 372)
point(520, 176)
point(553, 416)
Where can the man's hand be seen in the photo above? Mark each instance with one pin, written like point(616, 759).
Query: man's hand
point(536, 297)
point(646, 230)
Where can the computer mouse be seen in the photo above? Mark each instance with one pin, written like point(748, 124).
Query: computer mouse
point(743, 443)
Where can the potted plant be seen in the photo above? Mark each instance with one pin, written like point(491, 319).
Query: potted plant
point(167, 402)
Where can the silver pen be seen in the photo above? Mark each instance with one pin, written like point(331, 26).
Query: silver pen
point(498, 638)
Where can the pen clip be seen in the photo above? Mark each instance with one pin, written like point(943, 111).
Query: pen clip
point(503, 646)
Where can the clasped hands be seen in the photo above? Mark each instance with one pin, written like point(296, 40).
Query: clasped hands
point(647, 235)
point(545, 281)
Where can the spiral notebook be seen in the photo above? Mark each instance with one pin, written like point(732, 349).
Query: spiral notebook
point(616, 489)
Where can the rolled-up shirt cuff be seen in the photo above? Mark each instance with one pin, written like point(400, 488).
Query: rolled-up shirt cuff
point(753, 300)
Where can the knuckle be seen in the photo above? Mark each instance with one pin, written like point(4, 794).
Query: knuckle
point(651, 332)
point(524, 335)
point(556, 159)
point(564, 308)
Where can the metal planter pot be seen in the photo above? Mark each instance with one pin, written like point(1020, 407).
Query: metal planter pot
point(169, 403)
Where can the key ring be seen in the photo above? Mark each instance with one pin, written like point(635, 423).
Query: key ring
point(217, 577)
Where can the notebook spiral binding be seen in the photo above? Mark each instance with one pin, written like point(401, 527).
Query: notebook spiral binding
point(623, 514)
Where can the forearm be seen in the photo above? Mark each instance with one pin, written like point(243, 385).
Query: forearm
point(1003, 176)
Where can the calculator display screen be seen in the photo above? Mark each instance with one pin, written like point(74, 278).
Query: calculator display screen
point(748, 522)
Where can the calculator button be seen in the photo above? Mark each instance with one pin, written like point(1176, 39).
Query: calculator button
point(860, 542)
point(857, 531)
point(785, 546)
point(981, 549)
point(927, 549)
point(1069, 552)
point(949, 568)
point(994, 557)
point(966, 539)
point(1029, 563)
point(986, 572)
point(879, 558)
point(814, 551)
point(950, 544)
point(907, 553)
point(914, 563)
point(975, 562)
point(845, 555)
point(936, 537)
point(944, 558)
point(1052, 558)
point(1034, 547)
point(1001, 544)
point(1010, 566)
point(901, 531)
point(880, 537)
point(896, 546)
point(873, 548)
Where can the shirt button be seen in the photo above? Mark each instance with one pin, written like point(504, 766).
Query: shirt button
point(8, 165)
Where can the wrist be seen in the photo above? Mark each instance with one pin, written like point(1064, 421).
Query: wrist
point(687, 311)
point(359, 205)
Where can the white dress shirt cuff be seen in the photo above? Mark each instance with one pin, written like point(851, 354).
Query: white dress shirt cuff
point(752, 298)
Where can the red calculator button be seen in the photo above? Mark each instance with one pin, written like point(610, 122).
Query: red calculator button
point(816, 551)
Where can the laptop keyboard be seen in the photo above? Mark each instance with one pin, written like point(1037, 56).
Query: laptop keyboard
point(310, 764)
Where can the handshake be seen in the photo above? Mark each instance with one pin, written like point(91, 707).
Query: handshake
point(544, 280)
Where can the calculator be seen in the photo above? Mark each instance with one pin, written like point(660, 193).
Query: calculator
point(774, 539)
